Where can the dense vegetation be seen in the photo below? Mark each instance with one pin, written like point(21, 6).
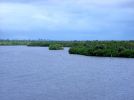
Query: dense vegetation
point(88, 48)
point(104, 48)
point(47, 43)
point(41, 43)
point(55, 47)
point(14, 42)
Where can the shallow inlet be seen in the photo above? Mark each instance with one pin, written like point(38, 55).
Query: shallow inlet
point(35, 73)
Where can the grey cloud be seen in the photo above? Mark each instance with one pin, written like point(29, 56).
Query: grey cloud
point(127, 4)
point(66, 20)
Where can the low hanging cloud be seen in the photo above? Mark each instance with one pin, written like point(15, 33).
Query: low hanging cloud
point(85, 18)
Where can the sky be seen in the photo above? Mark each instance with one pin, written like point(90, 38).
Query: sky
point(67, 19)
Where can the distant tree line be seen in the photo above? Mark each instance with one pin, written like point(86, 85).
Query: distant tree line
point(88, 48)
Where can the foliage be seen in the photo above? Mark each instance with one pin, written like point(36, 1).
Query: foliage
point(55, 47)
point(105, 48)
point(88, 48)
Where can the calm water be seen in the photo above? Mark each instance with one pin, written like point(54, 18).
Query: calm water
point(35, 73)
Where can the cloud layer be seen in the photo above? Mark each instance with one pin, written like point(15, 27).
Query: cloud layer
point(67, 19)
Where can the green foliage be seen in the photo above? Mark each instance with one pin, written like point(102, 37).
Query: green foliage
point(55, 47)
point(105, 49)
point(88, 48)
point(38, 43)
point(127, 53)
point(14, 42)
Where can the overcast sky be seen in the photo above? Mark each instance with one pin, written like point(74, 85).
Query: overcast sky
point(67, 19)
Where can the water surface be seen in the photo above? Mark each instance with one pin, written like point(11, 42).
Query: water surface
point(35, 73)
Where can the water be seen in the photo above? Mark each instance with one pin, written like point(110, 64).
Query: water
point(35, 73)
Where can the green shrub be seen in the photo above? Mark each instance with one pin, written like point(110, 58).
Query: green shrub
point(101, 46)
point(127, 53)
point(55, 47)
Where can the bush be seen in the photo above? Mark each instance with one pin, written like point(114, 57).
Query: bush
point(127, 53)
point(100, 46)
point(55, 47)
